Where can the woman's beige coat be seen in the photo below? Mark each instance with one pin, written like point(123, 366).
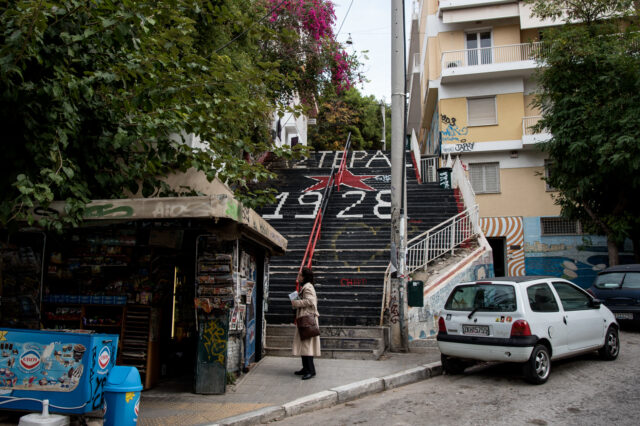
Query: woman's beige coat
point(306, 304)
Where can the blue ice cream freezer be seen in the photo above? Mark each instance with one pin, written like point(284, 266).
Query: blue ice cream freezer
point(67, 368)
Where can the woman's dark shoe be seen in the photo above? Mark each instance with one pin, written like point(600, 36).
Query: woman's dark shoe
point(307, 376)
point(300, 372)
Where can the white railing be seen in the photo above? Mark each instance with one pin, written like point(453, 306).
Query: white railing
point(491, 55)
point(415, 151)
point(429, 168)
point(459, 180)
point(441, 239)
point(528, 123)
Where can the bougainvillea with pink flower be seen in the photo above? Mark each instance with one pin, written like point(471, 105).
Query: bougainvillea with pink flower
point(321, 58)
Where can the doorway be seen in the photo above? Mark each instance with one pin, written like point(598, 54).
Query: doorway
point(499, 246)
point(478, 46)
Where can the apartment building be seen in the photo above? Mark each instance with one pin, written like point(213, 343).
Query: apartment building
point(471, 80)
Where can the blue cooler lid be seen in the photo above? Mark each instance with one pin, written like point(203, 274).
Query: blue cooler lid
point(123, 379)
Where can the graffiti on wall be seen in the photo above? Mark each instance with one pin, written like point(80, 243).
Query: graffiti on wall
point(454, 137)
point(513, 230)
point(423, 321)
point(578, 258)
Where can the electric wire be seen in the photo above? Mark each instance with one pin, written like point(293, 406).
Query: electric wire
point(345, 18)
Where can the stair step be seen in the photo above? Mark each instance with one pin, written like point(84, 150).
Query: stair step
point(354, 250)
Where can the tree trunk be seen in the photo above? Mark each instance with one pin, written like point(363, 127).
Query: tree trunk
point(614, 255)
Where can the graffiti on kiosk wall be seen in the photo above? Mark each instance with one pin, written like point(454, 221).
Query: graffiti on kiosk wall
point(214, 340)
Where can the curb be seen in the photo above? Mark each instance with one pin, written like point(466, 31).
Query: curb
point(333, 396)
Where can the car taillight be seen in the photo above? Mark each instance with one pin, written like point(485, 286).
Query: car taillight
point(441, 327)
point(520, 328)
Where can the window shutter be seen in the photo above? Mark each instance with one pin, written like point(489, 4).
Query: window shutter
point(475, 176)
point(492, 183)
point(482, 111)
point(485, 177)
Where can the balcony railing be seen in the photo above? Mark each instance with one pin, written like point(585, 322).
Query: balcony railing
point(491, 55)
point(528, 123)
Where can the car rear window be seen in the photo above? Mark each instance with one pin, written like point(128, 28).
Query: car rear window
point(482, 297)
point(631, 280)
point(607, 281)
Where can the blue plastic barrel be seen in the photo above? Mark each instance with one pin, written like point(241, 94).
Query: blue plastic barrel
point(122, 396)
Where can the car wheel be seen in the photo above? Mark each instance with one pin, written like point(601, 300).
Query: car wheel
point(537, 369)
point(452, 365)
point(611, 347)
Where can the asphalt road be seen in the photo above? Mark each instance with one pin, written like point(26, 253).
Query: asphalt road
point(580, 391)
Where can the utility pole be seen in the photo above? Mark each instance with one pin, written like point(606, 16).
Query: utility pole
point(383, 109)
point(398, 305)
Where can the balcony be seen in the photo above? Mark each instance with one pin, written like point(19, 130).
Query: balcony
point(515, 60)
point(529, 137)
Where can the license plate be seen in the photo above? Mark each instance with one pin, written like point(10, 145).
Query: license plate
point(624, 315)
point(476, 330)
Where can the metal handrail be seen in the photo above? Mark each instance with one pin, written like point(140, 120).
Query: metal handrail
point(442, 239)
point(317, 224)
point(528, 123)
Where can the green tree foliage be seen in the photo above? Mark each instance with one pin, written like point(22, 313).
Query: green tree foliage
point(96, 93)
point(344, 112)
point(586, 11)
point(590, 101)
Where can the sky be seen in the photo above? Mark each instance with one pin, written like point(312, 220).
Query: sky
point(369, 23)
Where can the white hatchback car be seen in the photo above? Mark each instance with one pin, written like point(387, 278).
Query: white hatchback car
point(529, 320)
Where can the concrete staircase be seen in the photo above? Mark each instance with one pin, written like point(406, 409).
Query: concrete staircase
point(336, 342)
point(353, 252)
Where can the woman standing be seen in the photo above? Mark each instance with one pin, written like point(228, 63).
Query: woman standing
point(306, 304)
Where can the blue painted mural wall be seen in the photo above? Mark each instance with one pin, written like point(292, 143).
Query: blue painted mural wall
point(575, 257)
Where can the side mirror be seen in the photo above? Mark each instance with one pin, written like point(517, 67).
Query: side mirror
point(595, 303)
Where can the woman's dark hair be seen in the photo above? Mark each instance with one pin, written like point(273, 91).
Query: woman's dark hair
point(307, 275)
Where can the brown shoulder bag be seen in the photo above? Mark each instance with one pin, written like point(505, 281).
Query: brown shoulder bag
point(307, 326)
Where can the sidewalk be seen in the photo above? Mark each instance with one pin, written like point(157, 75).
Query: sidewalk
point(271, 384)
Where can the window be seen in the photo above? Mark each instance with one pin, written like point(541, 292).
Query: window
point(548, 169)
point(571, 298)
point(482, 111)
point(609, 281)
point(485, 177)
point(631, 280)
point(483, 297)
point(559, 226)
point(481, 40)
point(541, 298)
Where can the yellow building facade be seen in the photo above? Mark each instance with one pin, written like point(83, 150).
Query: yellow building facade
point(471, 75)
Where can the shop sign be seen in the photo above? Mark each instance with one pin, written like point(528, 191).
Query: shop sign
point(30, 360)
point(103, 359)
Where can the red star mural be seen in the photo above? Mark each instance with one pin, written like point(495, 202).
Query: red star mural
point(348, 179)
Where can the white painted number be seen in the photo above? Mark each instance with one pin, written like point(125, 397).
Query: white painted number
point(361, 194)
point(316, 203)
point(276, 214)
point(382, 204)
